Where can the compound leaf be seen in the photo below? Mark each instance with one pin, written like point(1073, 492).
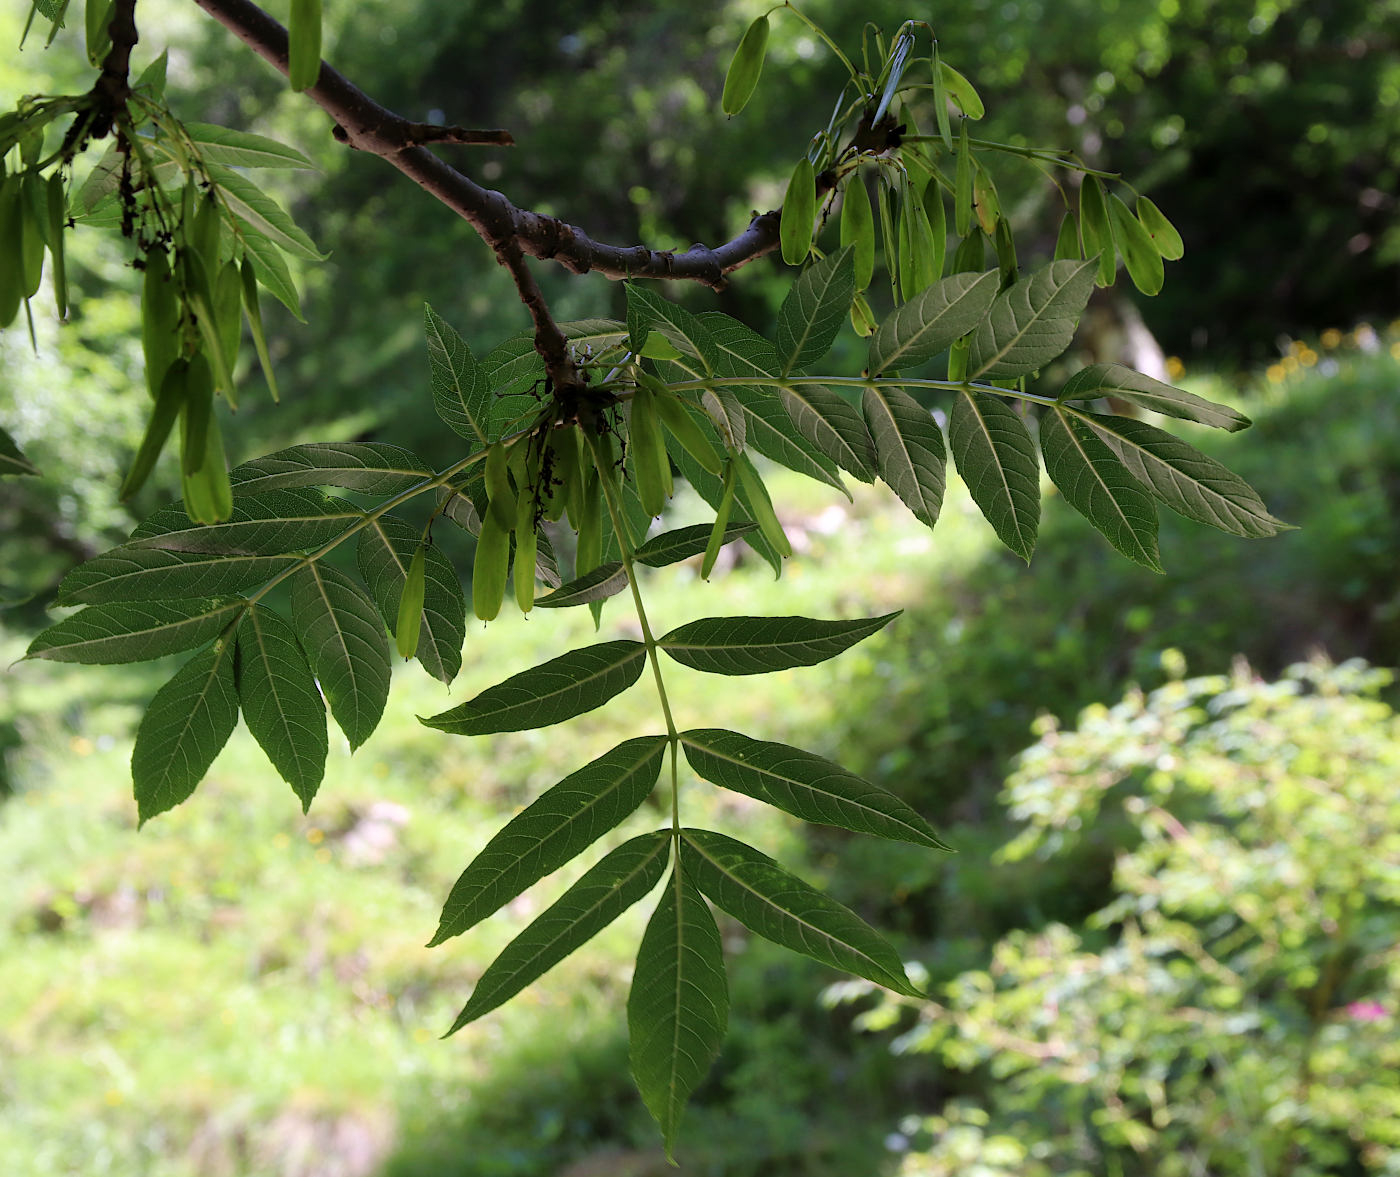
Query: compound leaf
point(371, 467)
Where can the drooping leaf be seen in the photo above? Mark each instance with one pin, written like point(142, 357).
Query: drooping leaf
point(961, 91)
point(1115, 380)
point(550, 693)
point(1095, 483)
point(254, 207)
point(554, 829)
point(744, 69)
point(461, 390)
point(272, 270)
point(858, 229)
point(1165, 238)
point(1031, 322)
point(832, 424)
point(1136, 247)
point(607, 580)
point(626, 875)
point(678, 1009)
point(150, 574)
point(12, 461)
point(715, 491)
point(135, 632)
point(798, 211)
point(996, 457)
point(242, 149)
point(187, 723)
point(384, 554)
point(671, 547)
point(408, 619)
point(804, 785)
point(814, 309)
point(271, 524)
point(909, 450)
point(756, 645)
point(371, 467)
point(1188, 481)
point(281, 705)
point(343, 635)
point(647, 311)
point(780, 907)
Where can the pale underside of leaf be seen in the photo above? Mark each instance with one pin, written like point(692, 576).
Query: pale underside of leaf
point(1031, 322)
point(833, 425)
point(814, 310)
point(607, 580)
point(271, 524)
point(135, 631)
point(671, 547)
point(461, 391)
point(1116, 380)
point(996, 459)
point(370, 467)
point(928, 324)
point(152, 574)
point(909, 450)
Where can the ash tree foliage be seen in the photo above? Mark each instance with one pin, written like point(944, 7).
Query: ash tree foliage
point(574, 436)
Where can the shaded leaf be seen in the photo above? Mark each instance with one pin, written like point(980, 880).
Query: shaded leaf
point(1115, 380)
point(1031, 322)
point(607, 580)
point(756, 645)
point(554, 829)
point(909, 450)
point(271, 269)
point(833, 425)
point(552, 692)
point(619, 880)
point(996, 457)
point(271, 524)
point(1095, 483)
point(648, 312)
point(671, 547)
point(12, 461)
point(343, 635)
point(928, 324)
point(242, 149)
point(814, 309)
point(255, 208)
point(461, 391)
point(135, 632)
point(371, 467)
point(281, 705)
point(780, 907)
point(187, 723)
point(151, 574)
point(804, 785)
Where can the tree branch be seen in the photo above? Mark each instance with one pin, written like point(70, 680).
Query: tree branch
point(112, 88)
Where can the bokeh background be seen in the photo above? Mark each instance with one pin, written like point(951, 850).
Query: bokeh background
point(1168, 941)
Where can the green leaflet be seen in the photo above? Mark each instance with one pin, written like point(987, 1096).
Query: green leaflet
point(554, 829)
point(607, 580)
point(150, 574)
point(550, 693)
point(12, 461)
point(384, 554)
point(741, 80)
point(780, 907)
point(928, 324)
point(371, 467)
point(271, 524)
point(343, 635)
point(1031, 322)
point(1115, 380)
point(798, 212)
point(648, 312)
point(909, 450)
point(997, 460)
point(135, 632)
point(1136, 246)
point(1188, 481)
point(715, 491)
point(804, 785)
point(1165, 239)
point(960, 90)
point(756, 645)
point(1096, 484)
point(271, 269)
point(186, 724)
point(255, 208)
point(626, 875)
point(678, 1009)
point(241, 149)
point(1096, 229)
point(514, 365)
point(252, 309)
point(833, 425)
point(814, 309)
point(281, 705)
point(671, 547)
point(461, 391)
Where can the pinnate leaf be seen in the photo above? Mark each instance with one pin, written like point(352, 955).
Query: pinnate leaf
point(780, 907)
point(909, 450)
point(552, 692)
point(678, 1009)
point(626, 875)
point(928, 324)
point(554, 829)
point(1031, 322)
point(756, 645)
point(1095, 483)
point(1115, 380)
point(187, 723)
point(136, 631)
point(803, 784)
point(996, 458)
point(281, 705)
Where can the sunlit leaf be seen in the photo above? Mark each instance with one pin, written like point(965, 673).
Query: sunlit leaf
point(242, 149)
point(251, 205)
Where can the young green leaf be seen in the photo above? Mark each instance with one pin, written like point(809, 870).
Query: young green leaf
point(928, 324)
point(248, 281)
point(671, 547)
point(272, 270)
point(57, 210)
point(1067, 240)
point(344, 640)
point(936, 214)
point(909, 450)
point(186, 724)
point(1031, 322)
point(721, 524)
point(745, 68)
point(1189, 482)
point(160, 320)
point(761, 506)
point(281, 705)
point(782, 908)
point(242, 149)
point(961, 91)
point(304, 44)
point(1097, 485)
point(550, 693)
point(1135, 244)
point(678, 1008)
point(646, 456)
point(1165, 239)
point(1115, 380)
point(166, 411)
point(970, 257)
point(685, 428)
point(799, 211)
point(257, 210)
point(962, 184)
point(554, 829)
point(804, 785)
point(757, 645)
point(135, 632)
point(1096, 229)
point(626, 875)
point(997, 460)
point(647, 311)
point(814, 309)
point(858, 230)
point(97, 17)
point(409, 619)
point(526, 553)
